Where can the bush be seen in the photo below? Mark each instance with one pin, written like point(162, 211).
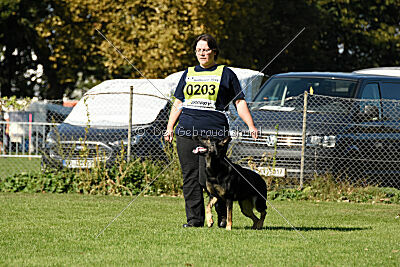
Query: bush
point(325, 188)
point(164, 178)
point(122, 179)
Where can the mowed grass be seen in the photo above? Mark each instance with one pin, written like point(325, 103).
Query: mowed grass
point(55, 229)
point(10, 165)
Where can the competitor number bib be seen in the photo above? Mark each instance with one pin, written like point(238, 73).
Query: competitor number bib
point(202, 88)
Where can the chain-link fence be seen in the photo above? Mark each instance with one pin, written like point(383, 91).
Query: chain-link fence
point(310, 136)
point(109, 124)
point(23, 134)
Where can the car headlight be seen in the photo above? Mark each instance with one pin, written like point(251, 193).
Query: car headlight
point(324, 141)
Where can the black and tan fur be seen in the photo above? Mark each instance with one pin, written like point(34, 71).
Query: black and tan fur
point(224, 182)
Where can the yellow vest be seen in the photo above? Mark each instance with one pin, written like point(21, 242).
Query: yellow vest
point(201, 89)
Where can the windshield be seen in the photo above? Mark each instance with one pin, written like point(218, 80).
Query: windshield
point(280, 91)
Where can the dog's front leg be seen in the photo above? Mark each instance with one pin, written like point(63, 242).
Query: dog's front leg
point(210, 204)
point(229, 206)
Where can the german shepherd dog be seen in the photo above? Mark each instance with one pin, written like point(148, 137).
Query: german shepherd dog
point(225, 182)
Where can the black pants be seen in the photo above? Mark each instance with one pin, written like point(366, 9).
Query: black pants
point(194, 181)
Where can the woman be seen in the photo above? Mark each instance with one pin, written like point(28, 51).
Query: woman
point(202, 98)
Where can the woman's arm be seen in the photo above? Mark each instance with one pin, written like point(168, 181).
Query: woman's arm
point(176, 110)
point(244, 113)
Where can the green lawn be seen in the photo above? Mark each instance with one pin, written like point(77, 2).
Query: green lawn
point(54, 229)
point(9, 166)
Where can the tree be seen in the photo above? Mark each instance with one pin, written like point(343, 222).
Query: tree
point(68, 48)
point(360, 34)
point(17, 52)
point(256, 30)
point(156, 36)
point(49, 35)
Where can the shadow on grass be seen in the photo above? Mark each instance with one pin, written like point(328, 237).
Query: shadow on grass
point(307, 229)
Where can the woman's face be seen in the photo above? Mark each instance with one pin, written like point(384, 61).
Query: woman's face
point(204, 54)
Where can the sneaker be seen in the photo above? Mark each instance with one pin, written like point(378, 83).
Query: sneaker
point(187, 225)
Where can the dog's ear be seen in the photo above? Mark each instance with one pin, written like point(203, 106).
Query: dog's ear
point(225, 141)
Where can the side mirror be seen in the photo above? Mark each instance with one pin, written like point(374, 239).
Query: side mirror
point(371, 112)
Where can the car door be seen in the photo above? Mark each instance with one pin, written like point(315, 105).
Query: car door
point(390, 90)
point(370, 136)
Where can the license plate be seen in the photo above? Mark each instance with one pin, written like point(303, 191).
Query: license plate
point(78, 163)
point(276, 172)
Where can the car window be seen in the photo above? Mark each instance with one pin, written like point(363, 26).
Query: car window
point(391, 108)
point(371, 96)
point(391, 90)
point(282, 87)
point(285, 91)
point(371, 91)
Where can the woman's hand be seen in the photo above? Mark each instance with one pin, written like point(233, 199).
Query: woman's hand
point(169, 135)
point(253, 131)
point(244, 113)
point(176, 110)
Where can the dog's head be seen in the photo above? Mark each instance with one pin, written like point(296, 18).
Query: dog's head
point(215, 147)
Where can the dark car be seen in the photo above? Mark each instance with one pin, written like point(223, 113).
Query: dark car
point(350, 127)
point(96, 131)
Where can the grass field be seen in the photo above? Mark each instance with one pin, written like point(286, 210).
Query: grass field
point(9, 166)
point(55, 229)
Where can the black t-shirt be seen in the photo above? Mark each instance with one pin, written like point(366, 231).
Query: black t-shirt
point(206, 122)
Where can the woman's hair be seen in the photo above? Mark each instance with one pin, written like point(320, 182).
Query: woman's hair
point(212, 43)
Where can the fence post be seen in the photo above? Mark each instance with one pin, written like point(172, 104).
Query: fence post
point(30, 119)
point(130, 124)
point(303, 140)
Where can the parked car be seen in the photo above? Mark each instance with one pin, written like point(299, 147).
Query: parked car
point(97, 128)
point(352, 128)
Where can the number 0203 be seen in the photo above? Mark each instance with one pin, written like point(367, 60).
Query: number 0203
point(198, 89)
